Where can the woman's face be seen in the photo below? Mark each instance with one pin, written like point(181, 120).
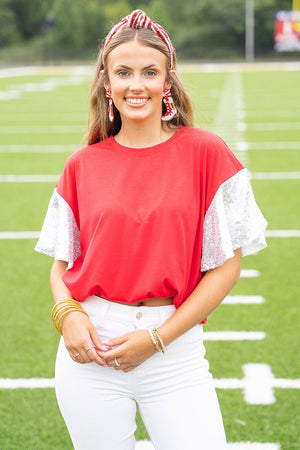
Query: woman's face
point(137, 77)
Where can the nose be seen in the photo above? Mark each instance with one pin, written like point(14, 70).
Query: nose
point(136, 83)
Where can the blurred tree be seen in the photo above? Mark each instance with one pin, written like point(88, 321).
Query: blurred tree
point(114, 11)
point(8, 25)
point(81, 23)
point(198, 28)
point(29, 15)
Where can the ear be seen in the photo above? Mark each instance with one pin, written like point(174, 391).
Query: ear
point(168, 83)
point(106, 83)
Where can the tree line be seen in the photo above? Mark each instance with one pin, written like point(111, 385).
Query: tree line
point(198, 28)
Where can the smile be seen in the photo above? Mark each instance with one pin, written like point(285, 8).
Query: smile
point(136, 101)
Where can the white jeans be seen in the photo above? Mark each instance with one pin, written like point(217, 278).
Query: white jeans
point(174, 391)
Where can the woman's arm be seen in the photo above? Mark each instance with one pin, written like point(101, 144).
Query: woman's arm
point(207, 295)
point(78, 331)
point(135, 347)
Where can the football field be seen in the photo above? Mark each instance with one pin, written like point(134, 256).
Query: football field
point(252, 339)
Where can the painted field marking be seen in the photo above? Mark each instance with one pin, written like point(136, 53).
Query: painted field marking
point(250, 273)
point(252, 446)
point(282, 233)
point(285, 145)
point(36, 234)
point(147, 445)
point(273, 126)
point(40, 178)
point(15, 91)
point(233, 335)
point(258, 384)
point(28, 178)
point(275, 175)
point(19, 234)
point(42, 129)
point(45, 70)
point(27, 383)
point(38, 148)
point(243, 300)
point(238, 146)
point(230, 111)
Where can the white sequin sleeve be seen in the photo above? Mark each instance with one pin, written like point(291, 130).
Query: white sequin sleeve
point(233, 220)
point(60, 236)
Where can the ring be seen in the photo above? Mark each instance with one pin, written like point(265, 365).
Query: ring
point(117, 364)
point(76, 356)
point(89, 348)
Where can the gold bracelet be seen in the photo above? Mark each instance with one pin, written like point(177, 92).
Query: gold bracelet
point(161, 342)
point(156, 339)
point(62, 308)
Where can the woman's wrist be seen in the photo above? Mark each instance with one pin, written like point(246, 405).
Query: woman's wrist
point(62, 308)
point(157, 339)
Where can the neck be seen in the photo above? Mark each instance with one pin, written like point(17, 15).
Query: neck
point(139, 135)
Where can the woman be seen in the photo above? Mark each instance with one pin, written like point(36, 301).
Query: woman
point(147, 225)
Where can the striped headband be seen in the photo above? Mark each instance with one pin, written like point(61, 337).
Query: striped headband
point(138, 19)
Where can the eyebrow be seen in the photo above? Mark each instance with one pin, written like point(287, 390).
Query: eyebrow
point(121, 66)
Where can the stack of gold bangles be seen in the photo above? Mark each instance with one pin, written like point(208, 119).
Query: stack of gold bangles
point(62, 308)
point(157, 339)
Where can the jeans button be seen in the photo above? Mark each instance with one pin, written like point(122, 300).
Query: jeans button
point(138, 315)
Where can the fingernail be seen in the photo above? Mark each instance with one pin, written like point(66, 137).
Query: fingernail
point(104, 348)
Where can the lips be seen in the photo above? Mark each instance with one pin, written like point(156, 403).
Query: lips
point(136, 101)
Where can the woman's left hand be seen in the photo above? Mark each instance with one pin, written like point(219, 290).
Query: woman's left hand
point(128, 351)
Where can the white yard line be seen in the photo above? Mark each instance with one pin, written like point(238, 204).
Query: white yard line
point(258, 384)
point(250, 273)
point(275, 175)
point(272, 126)
point(38, 148)
point(237, 146)
point(15, 91)
point(230, 112)
point(19, 234)
point(243, 300)
point(42, 129)
point(36, 234)
point(28, 178)
point(41, 178)
point(282, 233)
point(234, 335)
point(147, 445)
point(267, 145)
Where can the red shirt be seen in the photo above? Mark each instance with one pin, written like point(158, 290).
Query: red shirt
point(140, 213)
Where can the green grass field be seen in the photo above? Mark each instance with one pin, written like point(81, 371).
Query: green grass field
point(43, 119)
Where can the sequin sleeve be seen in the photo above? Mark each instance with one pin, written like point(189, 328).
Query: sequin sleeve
point(233, 220)
point(60, 236)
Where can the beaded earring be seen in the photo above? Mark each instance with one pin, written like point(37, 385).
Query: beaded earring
point(108, 95)
point(171, 110)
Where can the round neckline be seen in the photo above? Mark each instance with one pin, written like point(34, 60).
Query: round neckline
point(143, 150)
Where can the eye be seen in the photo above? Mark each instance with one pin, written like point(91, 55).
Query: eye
point(123, 73)
point(150, 73)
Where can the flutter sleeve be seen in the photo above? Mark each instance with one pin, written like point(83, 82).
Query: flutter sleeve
point(233, 220)
point(60, 234)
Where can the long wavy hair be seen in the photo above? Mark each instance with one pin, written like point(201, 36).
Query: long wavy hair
point(100, 127)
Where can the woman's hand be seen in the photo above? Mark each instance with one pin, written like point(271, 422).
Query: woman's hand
point(81, 339)
point(130, 350)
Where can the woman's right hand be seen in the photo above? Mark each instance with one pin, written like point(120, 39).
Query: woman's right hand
point(81, 339)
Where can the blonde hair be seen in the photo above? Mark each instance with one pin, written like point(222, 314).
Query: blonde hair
point(100, 127)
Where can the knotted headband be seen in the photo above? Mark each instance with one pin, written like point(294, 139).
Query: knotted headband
point(138, 19)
